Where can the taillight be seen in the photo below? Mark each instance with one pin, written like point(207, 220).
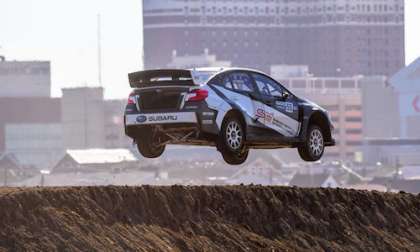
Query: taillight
point(131, 98)
point(197, 95)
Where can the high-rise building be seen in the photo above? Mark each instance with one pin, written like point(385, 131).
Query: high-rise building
point(332, 37)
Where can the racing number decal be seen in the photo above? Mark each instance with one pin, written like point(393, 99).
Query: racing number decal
point(276, 120)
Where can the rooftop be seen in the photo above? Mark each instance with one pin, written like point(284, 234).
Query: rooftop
point(95, 156)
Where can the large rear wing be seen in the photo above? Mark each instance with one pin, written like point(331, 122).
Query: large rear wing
point(161, 77)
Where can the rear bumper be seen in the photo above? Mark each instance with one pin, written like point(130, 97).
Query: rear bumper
point(160, 118)
point(202, 122)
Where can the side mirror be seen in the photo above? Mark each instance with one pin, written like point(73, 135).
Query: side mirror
point(285, 95)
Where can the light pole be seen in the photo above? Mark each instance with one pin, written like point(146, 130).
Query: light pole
point(43, 173)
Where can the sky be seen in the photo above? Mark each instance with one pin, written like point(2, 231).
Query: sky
point(65, 33)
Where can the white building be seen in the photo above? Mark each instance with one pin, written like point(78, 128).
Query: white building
point(25, 78)
point(36, 145)
point(192, 61)
point(82, 116)
point(288, 71)
point(95, 160)
point(406, 84)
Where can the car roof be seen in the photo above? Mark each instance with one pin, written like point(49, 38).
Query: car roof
point(219, 70)
point(224, 69)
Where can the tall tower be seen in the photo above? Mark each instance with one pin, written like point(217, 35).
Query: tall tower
point(332, 37)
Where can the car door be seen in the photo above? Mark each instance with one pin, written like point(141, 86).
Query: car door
point(238, 89)
point(281, 112)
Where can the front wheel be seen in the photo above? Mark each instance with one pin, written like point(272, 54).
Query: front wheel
point(313, 147)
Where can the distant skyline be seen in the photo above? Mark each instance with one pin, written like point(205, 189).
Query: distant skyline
point(64, 32)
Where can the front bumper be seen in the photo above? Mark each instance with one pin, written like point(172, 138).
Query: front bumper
point(330, 143)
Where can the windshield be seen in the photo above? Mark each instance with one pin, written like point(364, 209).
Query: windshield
point(201, 77)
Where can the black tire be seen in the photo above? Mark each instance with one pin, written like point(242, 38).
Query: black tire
point(148, 147)
point(235, 159)
point(232, 141)
point(313, 147)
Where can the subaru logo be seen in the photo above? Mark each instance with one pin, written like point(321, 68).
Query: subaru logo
point(141, 119)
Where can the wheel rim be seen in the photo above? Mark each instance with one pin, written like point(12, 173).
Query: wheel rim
point(234, 135)
point(316, 142)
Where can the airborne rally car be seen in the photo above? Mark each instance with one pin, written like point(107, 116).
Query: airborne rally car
point(232, 109)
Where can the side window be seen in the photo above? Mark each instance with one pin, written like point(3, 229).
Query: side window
point(267, 86)
point(226, 82)
point(241, 82)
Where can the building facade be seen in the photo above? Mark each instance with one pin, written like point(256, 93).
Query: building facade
point(29, 110)
point(332, 37)
point(114, 124)
point(406, 84)
point(25, 78)
point(35, 145)
point(82, 117)
point(191, 61)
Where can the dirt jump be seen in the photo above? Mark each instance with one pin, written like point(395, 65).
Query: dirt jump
point(231, 218)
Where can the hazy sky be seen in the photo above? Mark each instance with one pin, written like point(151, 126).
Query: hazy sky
point(64, 32)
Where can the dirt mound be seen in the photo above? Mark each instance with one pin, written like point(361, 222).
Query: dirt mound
point(233, 218)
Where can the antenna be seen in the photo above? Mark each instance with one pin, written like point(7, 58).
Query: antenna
point(99, 51)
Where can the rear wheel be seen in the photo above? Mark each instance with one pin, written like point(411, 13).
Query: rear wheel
point(232, 141)
point(235, 159)
point(313, 148)
point(148, 145)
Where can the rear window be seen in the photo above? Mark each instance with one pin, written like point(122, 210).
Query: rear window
point(201, 77)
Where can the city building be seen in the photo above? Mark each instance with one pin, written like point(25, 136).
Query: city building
point(392, 151)
point(83, 117)
point(289, 71)
point(114, 124)
point(391, 122)
point(380, 109)
point(332, 37)
point(192, 61)
point(95, 160)
point(324, 180)
point(260, 171)
point(29, 110)
point(37, 145)
point(24, 78)
point(406, 84)
point(10, 169)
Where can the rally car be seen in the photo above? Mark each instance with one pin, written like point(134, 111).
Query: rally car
point(233, 109)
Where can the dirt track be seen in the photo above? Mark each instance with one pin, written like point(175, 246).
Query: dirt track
point(235, 218)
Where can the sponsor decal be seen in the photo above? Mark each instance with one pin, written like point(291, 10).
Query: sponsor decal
point(207, 121)
point(269, 119)
point(162, 118)
point(191, 107)
point(141, 119)
point(286, 106)
point(208, 113)
point(266, 116)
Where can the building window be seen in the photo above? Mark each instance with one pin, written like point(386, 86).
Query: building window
point(353, 119)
